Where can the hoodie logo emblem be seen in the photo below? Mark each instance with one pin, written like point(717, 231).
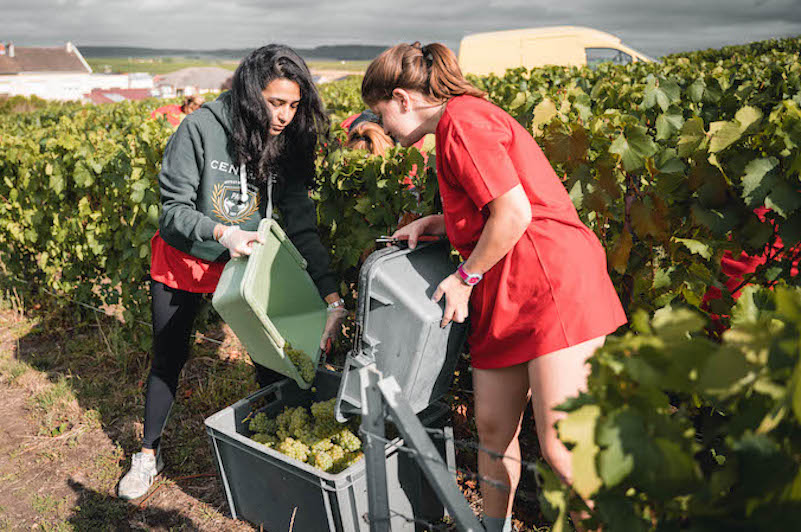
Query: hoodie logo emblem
point(229, 205)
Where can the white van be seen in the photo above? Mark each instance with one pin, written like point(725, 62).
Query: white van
point(494, 52)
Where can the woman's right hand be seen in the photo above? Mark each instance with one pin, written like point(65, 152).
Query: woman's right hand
point(433, 224)
point(239, 242)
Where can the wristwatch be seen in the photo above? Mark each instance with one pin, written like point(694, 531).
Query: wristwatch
point(335, 305)
point(470, 279)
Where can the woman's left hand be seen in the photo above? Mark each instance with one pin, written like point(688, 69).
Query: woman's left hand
point(457, 299)
point(332, 327)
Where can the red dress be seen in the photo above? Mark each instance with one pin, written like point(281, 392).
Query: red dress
point(552, 290)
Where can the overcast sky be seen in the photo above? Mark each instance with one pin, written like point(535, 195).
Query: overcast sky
point(654, 27)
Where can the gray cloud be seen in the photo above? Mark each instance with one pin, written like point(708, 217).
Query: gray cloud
point(655, 27)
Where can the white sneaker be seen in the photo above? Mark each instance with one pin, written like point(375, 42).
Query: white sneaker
point(138, 480)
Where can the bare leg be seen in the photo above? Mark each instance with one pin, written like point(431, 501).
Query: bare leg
point(500, 398)
point(554, 378)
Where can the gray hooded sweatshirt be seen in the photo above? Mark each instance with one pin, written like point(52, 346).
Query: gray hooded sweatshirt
point(201, 186)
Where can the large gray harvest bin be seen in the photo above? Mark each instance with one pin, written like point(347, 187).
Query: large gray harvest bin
point(267, 488)
point(398, 326)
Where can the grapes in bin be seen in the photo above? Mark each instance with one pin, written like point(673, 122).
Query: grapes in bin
point(310, 435)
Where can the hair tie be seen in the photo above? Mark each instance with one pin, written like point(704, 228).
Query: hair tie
point(427, 55)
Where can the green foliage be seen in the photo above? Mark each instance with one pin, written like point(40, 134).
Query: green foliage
point(677, 430)
point(80, 200)
point(21, 104)
point(361, 197)
point(343, 98)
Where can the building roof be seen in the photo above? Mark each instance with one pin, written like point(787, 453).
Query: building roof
point(29, 59)
point(98, 96)
point(210, 78)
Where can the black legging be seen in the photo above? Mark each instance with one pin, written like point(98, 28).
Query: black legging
point(174, 312)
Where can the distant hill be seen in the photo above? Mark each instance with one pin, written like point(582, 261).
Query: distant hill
point(351, 52)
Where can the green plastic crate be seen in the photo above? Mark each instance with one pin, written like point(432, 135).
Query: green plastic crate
point(268, 299)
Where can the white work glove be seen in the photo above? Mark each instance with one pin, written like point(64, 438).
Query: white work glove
point(333, 325)
point(239, 242)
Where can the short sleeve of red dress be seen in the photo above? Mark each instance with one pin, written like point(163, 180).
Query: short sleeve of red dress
point(552, 289)
point(478, 154)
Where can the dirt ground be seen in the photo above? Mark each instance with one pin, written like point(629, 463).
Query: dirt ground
point(59, 464)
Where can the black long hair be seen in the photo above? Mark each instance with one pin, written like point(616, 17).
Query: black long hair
point(251, 141)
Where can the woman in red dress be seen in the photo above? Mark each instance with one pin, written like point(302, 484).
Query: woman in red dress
point(534, 280)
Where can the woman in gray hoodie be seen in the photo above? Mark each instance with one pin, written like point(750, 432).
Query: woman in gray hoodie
point(224, 169)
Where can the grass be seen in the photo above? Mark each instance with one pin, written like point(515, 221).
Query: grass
point(96, 511)
point(165, 65)
point(52, 511)
point(12, 370)
point(156, 65)
point(350, 66)
point(48, 506)
point(56, 408)
point(60, 526)
point(106, 469)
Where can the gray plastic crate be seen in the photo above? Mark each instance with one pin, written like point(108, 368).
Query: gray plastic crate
point(266, 487)
point(398, 326)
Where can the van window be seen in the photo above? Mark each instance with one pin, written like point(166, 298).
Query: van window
point(596, 56)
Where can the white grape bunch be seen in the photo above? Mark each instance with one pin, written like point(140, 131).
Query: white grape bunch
point(301, 361)
point(310, 435)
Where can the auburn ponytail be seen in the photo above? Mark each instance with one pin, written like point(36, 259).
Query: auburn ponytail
point(369, 136)
point(431, 70)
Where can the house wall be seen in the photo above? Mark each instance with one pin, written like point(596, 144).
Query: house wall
point(67, 86)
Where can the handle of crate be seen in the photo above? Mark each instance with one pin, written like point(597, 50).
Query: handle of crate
point(404, 239)
point(281, 236)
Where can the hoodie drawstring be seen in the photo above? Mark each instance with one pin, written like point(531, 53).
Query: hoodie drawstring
point(243, 183)
point(243, 186)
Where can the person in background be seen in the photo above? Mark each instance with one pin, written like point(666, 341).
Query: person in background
point(534, 279)
point(358, 124)
point(174, 113)
point(224, 168)
point(737, 269)
point(369, 136)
